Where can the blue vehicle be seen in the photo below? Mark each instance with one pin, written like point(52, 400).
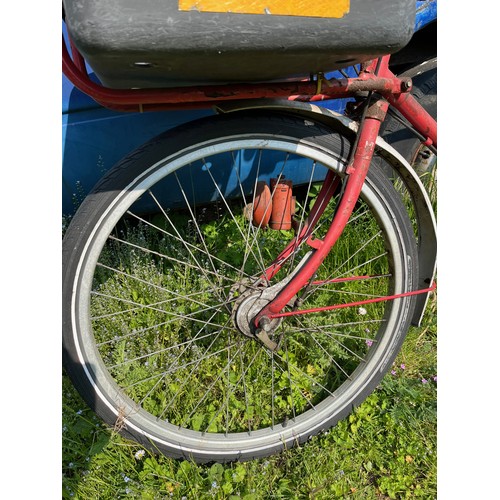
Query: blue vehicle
point(95, 138)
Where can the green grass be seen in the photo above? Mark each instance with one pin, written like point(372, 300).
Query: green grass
point(385, 449)
point(141, 301)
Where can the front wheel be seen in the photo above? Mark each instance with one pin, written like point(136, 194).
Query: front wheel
point(164, 263)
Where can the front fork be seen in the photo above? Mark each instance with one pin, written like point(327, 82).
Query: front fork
point(356, 172)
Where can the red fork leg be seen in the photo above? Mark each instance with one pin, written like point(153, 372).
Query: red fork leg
point(357, 171)
point(328, 189)
point(409, 107)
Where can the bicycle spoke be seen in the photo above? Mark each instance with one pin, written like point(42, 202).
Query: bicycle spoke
point(331, 358)
point(251, 228)
point(174, 362)
point(167, 257)
point(165, 281)
point(169, 313)
point(299, 371)
point(207, 392)
point(196, 363)
point(190, 247)
point(230, 389)
point(198, 230)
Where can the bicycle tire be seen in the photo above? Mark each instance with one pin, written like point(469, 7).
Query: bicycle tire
point(238, 399)
point(424, 77)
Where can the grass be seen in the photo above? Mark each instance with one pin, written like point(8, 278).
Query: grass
point(385, 449)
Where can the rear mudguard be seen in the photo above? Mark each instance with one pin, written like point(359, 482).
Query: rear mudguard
point(426, 221)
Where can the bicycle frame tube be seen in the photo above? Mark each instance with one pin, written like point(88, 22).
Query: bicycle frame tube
point(408, 106)
point(401, 99)
point(375, 77)
point(305, 231)
point(206, 96)
point(356, 171)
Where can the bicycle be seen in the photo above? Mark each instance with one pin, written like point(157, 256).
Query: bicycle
point(239, 284)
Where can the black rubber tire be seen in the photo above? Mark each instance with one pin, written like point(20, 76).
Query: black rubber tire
point(424, 77)
point(95, 220)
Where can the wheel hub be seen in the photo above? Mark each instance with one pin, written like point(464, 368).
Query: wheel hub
point(248, 305)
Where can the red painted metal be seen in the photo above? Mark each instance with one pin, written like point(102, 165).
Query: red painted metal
point(374, 77)
point(357, 171)
point(304, 230)
point(416, 115)
point(203, 96)
point(78, 59)
point(351, 304)
point(406, 104)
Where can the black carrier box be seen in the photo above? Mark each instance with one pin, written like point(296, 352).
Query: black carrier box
point(167, 43)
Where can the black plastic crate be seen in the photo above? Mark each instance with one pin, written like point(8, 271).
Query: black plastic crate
point(152, 43)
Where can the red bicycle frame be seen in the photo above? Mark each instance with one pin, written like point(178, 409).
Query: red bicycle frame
point(375, 77)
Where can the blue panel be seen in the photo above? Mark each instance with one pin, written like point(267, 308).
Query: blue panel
point(94, 139)
point(426, 13)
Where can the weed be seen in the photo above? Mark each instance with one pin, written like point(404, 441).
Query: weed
point(386, 448)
